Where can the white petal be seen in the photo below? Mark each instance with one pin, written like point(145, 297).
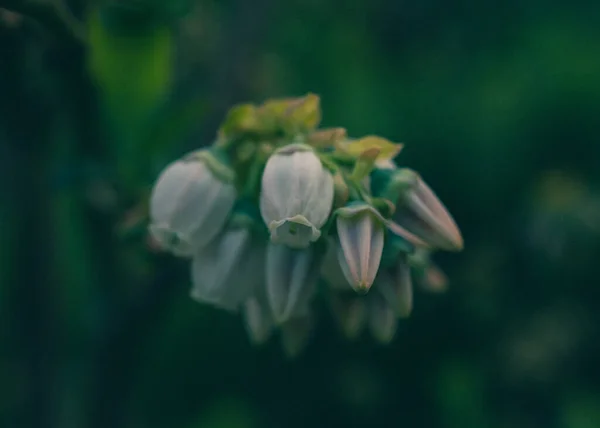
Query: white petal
point(189, 206)
point(296, 184)
point(295, 232)
point(228, 271)
point(259, 323)
point(168, 190)
point(291, 280)
point(168, 239)
point(207, 211)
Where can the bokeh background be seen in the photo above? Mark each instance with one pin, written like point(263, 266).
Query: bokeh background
point(498, 104)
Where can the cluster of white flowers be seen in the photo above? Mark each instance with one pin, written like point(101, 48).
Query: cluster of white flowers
point(277, 212)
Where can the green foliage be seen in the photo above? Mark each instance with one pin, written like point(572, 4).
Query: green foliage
point(498, 106)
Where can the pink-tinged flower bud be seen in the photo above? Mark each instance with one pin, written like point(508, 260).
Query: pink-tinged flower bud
point(190, 203)
point(421, 213)
point(360, 230)
point(296, 196)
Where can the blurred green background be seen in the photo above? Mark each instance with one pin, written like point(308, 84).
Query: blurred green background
point(498, 104)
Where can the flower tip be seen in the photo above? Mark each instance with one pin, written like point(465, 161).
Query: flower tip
point(294, 233)
point(459, 243)
point(453, 240)
point(362, 287)
point(167, 239)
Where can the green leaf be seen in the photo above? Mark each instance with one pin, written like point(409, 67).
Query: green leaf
point(240, 119)
point(133, 71)
point(387, 149)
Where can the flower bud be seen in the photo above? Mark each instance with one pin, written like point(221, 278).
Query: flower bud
point(360, 230)
point(350, 313)
point(229, 270)
point(257, 316)
point(382, 319)
point(427, 274)
point(395, 285)
point(190, 203)
point(296, 196)
point(292, 277)
point(331, 271)
point(423, 214)
point(295, 334)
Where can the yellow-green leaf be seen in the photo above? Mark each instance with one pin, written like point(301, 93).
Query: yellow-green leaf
point(387, 149)
point(240, 119)
point(326, 137)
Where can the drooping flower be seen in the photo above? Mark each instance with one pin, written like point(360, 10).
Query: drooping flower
point(294, 176)
point(230, 270)
point(292, 276)
point(418, 210)
point(295, 334)
point(427, 274)
point(258, 319)
point(350, 312)
point(395, 285)
point(381, 319)
point(190, 203)
point(360, 231)
point(296, 196)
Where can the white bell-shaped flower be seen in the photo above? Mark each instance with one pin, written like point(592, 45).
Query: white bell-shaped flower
point(360, 230)
point(190, 203)
point(292, 277)
point(229, 270)
point(296, 196)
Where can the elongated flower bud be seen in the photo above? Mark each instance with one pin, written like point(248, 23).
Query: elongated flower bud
point(360, 230)
point(296, 196)
point(423, 214)
point(190, 203)
point(395, 285)
point(292, 276)
point(258, 319)
point(382, 319)
point(350, 313)
point(331, 271)
point(295, 334)
point(427, 274)
point(230, 270)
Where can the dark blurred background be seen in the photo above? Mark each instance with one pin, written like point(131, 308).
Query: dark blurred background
point(498, 104)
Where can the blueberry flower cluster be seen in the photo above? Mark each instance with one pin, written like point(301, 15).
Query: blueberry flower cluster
point(277, 212)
